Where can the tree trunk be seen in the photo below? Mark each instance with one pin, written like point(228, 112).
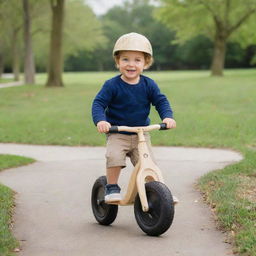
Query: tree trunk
point(15, 57)
point(29, 66)
point(55, 58)
point(219, 54)
point(1, 64)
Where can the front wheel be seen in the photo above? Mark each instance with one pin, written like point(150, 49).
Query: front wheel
point(160, 215)
point(104, 213)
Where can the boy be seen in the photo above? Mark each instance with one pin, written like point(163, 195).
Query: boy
point(125, 100)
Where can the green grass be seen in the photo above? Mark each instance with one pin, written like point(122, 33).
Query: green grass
point(210, 112)
point(232, 193)
point(5, 80)
point(8, 161)
point(7, 241)
point(218, 112)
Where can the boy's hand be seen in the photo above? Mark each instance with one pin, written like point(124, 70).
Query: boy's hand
point(170, 123)
point(103, 126)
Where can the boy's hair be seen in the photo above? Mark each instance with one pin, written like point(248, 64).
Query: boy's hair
point(148, 59)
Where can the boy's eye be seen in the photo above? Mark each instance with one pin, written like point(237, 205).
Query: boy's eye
point(138, 60)
point(125, 59)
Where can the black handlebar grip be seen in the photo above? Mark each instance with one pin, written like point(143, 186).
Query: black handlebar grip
point(113, 129)
point(163, 126)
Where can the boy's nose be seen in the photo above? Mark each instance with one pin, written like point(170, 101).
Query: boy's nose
point(131, 63)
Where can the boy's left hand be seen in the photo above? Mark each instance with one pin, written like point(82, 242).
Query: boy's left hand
point(170, 123)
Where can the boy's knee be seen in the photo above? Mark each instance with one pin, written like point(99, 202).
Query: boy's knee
point(115, 159)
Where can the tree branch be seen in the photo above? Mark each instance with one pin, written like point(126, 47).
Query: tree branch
point(227, 10)
point(241, 20)
point(215, 15)
point(208, 7)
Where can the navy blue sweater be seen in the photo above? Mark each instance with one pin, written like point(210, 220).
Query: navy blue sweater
point(120, 103)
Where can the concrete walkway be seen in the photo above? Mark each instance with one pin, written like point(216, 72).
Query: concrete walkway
point(11, 84)
point(53, 215)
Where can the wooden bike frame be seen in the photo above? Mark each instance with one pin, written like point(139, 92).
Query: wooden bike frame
point(144, 171)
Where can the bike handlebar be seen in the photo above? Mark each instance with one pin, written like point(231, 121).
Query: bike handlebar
point(136, 129)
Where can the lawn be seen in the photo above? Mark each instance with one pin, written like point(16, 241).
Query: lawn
point(5, 80)
point(7, 241)
point(210, 112)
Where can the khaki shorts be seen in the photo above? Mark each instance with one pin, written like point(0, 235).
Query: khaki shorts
point(119, 146)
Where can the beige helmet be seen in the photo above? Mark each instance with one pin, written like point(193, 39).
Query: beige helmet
point(133, 42)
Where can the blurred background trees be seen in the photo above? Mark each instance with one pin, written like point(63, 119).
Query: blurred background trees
point(175, 48)
point(184, 34)
point(218, 20)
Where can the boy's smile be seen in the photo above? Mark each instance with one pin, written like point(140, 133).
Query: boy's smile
point(131, 64)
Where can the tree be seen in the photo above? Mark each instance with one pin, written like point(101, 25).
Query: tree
point(216, 19)
point(195, 53)
point(82, 31)
point(1, 62)
point(1, 54)
point(55, 56)
point(29, 66)
point(11, 26)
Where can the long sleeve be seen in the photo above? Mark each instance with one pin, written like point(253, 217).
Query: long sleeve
point(100, 103)
point(160, 102)
point(120, 103)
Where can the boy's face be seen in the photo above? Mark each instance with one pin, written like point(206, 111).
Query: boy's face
point(131, 64)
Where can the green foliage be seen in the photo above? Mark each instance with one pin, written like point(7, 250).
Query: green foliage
point(195, 53)
point(88, 40)
point(138, 16)
point(134, 16)
point(246, 35)
point(185, 17)
point(41, 27)
point(190, 18)
point(82, 31)
point(11, 23)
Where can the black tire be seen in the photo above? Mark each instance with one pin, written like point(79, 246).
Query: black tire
point(161, 209)
point(104, 213)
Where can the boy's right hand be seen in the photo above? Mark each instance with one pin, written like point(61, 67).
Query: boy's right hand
point(103, 126)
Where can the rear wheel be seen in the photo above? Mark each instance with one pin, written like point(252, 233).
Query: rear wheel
point(104, 213)
point(159, 217)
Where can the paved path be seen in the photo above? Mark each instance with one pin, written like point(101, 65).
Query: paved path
point(11, 84)
point(53, 215)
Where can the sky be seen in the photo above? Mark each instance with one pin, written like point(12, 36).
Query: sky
point(102, 6)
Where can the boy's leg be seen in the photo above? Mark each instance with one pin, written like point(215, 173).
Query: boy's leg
point(117, 148)
point(113, 174)
point(112, 190)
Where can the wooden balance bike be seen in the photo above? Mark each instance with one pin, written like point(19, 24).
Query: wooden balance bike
point(153, 201)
